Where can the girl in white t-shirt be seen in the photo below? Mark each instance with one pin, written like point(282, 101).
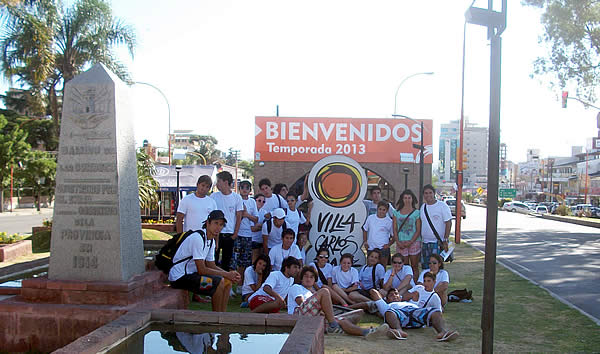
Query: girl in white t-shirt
point(254, 277)
point(345, 278)
point(371, 277)
point(324, 271)
point(442, 278)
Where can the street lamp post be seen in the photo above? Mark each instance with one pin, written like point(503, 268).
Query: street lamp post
point(168, 109)
point(550, 172)
point(420, 147)
point(402, 82)
point(495, 22)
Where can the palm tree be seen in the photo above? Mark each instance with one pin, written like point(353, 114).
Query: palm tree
point(45, 45)
point(147, 185)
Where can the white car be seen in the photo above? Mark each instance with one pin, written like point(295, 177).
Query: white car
point(516, 207)
point(541, 209)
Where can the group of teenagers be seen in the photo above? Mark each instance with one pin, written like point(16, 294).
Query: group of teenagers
point(261, 244)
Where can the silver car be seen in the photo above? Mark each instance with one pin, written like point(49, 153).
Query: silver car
point(516, 207)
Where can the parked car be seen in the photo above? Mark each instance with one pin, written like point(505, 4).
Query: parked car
point(477, 201)
point(595, 212)
point(531, 205)
point(541, 209)
point(516, 207)
point(452, 204)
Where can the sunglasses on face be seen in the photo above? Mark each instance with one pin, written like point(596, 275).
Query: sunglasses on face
point(398, 262)
point(260, 201)
point(323, 256)
point(244, 187)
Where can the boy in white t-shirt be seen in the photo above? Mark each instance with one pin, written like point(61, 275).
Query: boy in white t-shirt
point(302, 301)
point(284, 250)
point(378, 232)
point(270, 298)
point(230, 203)
point(242, 245)
point(194, 208)
point(194, 267)
point(441, 219)
point(272, 200)
point(272, 230)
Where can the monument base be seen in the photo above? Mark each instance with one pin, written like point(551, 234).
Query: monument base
point(50, 314)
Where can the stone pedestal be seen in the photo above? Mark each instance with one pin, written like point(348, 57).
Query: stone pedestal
point(96, 232)
point(49, 314)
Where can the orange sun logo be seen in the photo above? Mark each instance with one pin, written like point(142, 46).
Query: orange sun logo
point(337, 184)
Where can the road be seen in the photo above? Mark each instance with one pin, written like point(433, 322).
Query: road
point(564, 258)
point(22, 221)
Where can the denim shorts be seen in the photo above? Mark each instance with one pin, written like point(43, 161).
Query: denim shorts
point(427, 249)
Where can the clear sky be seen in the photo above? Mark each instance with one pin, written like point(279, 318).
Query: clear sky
point(223, 62)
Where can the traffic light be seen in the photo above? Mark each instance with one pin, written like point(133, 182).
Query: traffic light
point(565, 95)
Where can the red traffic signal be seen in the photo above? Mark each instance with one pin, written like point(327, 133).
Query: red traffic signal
point(565, 95)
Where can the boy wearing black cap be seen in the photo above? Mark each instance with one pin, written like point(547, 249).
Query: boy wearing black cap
point(199, 273)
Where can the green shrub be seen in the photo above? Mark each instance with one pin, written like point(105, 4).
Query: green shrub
point(8, 239)
point(562, 210)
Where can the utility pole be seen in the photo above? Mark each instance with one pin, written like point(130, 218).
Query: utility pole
point(495, 23)
point(235, 153)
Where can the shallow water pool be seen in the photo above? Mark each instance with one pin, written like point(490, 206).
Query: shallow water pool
point(187, 338)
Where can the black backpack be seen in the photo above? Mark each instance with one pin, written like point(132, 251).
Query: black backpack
point(270, 226)
point(164, 259)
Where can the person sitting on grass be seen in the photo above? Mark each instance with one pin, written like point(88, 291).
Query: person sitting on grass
point(284, 250)
point(324, 270)
point(270, 298)
point(345, 279)
point(254, 277)
point(370, 277)
point(199, 274)
point(400, 314)
point(399, 277)
point(302, 300)
point(442, 279)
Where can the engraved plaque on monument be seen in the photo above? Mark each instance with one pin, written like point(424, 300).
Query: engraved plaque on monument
point(96, 232)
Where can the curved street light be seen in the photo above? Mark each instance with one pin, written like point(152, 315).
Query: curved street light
point(168, 109)
point(402, 82)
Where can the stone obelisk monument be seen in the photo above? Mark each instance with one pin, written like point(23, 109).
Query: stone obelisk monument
point(96, 232)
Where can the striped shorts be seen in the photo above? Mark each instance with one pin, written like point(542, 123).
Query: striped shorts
point(413, 317)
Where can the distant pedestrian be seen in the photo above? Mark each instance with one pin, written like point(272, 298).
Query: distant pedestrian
point(436, 225)
point(231, 204)
point(194, 208)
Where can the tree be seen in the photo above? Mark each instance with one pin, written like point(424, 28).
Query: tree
point(147, 185)
point(572, 31)
point(39, 173)
point(45, 45)
point(13, 147)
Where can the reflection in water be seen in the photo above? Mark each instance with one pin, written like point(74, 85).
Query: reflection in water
point(162, 338)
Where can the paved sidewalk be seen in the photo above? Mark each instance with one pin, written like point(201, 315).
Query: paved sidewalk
point(27, 211)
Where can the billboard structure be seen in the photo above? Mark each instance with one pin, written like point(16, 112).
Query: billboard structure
point(363, 139)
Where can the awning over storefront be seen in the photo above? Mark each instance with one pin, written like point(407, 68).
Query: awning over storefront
point(166, 176)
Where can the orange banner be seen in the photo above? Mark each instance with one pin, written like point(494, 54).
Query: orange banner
point(363, 139)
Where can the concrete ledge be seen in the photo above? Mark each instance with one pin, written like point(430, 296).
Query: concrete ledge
point(11, 251)
point(306, 336)
point(160, 227)
point(571, 221)
point(25, 267)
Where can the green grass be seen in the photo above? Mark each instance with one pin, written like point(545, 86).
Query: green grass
point(527, 318)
